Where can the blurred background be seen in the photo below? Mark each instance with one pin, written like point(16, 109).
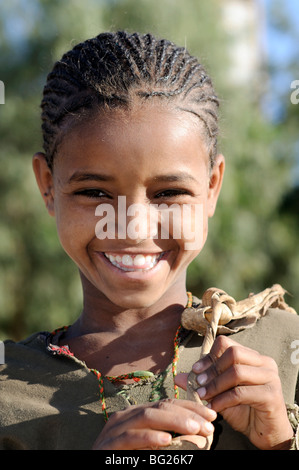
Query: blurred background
point(251, 49)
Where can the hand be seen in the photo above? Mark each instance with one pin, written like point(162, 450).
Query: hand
point(244, 387)
point(149, 426)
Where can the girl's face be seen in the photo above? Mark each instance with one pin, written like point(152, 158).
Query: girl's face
point(111, 176)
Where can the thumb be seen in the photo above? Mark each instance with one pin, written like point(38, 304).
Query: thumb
point(181, 380)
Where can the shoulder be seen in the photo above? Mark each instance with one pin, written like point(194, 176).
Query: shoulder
point(34, 359)
point(23, 353)
point(275, 331)
point(27, 353)
point(39, 391)
point(46, 398)
point(35, 342)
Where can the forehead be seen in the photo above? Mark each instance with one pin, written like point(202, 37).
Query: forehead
point(145, 132)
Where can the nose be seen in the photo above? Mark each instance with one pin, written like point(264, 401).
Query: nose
point(135, 221)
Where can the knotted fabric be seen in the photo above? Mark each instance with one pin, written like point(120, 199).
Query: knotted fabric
point(220, 314)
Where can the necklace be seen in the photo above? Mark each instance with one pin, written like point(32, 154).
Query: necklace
point(137, 376)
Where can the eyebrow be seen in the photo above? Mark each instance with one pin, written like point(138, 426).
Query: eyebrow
point(79, 176)
point(181, 176)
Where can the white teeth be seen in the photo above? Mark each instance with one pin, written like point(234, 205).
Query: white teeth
point(129, 262)
point(139, 260)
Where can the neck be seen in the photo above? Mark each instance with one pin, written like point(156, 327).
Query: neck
point(100, 314)
point(104, 331)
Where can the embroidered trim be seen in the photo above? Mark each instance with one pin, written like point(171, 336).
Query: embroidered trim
point(59, 350)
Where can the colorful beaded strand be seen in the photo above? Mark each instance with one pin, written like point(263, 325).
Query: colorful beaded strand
point(189, 303)
point(101, 392)
point(175, 360)
point(138, 375)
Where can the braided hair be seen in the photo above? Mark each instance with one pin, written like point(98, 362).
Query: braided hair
point(113, 69)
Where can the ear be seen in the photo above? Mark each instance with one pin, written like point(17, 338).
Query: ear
point(215, 183)
point(44, 179)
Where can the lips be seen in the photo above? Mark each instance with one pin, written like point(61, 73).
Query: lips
point(129, 262)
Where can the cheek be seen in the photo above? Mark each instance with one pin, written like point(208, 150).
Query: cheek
point(75, 228)
point(193, 226)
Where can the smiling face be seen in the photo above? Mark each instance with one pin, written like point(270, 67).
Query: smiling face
point(148, 156)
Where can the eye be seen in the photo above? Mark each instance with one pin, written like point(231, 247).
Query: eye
point(172, 193)
point(92, 193)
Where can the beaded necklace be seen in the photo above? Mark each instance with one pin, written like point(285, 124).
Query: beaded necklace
point(137, 376)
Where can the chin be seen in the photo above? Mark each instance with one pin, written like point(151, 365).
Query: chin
point(136, 300)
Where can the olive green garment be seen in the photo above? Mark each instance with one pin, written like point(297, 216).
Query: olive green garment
point(51, 401)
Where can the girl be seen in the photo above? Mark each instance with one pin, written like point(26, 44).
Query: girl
point(130, 121)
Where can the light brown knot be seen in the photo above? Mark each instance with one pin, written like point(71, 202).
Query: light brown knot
point(219, 313)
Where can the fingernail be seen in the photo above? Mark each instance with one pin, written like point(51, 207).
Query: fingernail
point(193, 425)
point(202, 378)
point(197, 367)
point(213, 412)
point(201, 392)
point(164, 438)
point(209, 427)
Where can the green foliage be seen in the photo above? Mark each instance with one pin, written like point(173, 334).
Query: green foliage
point(253, 236)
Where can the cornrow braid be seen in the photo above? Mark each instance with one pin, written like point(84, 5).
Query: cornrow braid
point(113, 69)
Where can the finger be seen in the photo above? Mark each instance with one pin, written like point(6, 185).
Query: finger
point(201, 410)
point(257, 396)
point(181, 380)
point(175, 406)
point(132, 439)
point(168, 416)
point(147, 427)
point(220, 345)
point(226, 352)
point(235, 376)
point(230, 360)
point(180, 416)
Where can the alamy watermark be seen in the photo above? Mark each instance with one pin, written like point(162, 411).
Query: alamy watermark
point(2, 353)
point(295, 353)
point(295, 94)
point(2, 93)
point(140, 221)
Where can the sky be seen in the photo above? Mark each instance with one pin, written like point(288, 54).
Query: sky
point(282, 48)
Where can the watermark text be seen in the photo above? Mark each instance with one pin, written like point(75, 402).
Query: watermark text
point(2, 93)
point(2, 353)
point(139, 222)
point(295, 353)
point(295, 94)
